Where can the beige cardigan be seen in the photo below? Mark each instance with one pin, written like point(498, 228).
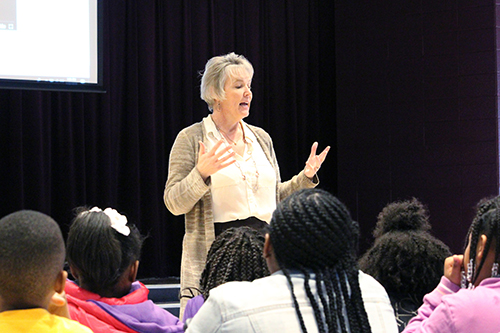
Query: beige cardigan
point(187, 193)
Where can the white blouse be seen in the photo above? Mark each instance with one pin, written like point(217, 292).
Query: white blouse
point(245, 188)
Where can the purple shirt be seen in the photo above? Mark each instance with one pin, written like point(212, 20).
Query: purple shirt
point(192, 307)
point(144, 317)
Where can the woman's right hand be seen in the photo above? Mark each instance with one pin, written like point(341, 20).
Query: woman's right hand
point(212, 161)
point(453, 268)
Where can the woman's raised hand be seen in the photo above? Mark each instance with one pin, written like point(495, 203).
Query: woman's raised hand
point(212, 161)
point(314, 161)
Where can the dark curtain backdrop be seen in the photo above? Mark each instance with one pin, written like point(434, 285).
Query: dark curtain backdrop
point(61, 150)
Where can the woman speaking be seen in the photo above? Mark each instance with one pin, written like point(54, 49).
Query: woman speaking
point(223, 172)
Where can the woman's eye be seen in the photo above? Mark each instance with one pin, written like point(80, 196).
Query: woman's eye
point(239, 86)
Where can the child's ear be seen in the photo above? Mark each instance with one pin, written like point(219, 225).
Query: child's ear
point(60, 281)
point(74, 272)
point(268, 247)
point(480, 247)
point(134, 267)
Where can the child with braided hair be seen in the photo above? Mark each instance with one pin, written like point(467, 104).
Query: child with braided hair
point(315, 285)
point(235, 255)
point(468, 301)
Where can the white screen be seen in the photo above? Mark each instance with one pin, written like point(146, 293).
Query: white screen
point(49, 40)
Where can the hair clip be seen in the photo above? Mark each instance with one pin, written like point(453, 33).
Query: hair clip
point(118, 221)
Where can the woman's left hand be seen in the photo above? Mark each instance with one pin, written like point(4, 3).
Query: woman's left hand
point(314, 161)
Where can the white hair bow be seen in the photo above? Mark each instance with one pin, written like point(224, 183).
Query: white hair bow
point(118, 221)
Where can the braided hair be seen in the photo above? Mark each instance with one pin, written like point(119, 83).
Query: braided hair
point(235, 255)
point(486, 222)
point(312, 231)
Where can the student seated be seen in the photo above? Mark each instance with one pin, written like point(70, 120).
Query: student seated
point(235, 255)
point(315, 285)
point(467, 298)
point(405, 258)
point(103, 254)
point(31, 272)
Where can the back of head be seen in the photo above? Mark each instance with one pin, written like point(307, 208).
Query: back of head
point(405, 258)
point(101, 246)
point(235, 255)
point(402, 216)
point(31, 257)
point(312, 231)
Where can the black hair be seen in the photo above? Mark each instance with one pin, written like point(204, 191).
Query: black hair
point(312, 231)
point(31, 257)
point(486, 222)
point(235, 255)
point(98, 252)
point(405, 257)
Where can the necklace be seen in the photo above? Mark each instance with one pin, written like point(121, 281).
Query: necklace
point(254, 186)
point(225, 136)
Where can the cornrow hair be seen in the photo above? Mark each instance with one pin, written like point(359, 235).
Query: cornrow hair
point(486, 222)
point(235, 255)
point(312, 231)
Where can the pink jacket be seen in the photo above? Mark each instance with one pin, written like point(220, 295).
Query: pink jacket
point(451, 309)
point(132, 313)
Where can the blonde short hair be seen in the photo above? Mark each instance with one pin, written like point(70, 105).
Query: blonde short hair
point(216, 72)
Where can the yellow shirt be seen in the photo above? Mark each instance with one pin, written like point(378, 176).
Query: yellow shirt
point(37, 321)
